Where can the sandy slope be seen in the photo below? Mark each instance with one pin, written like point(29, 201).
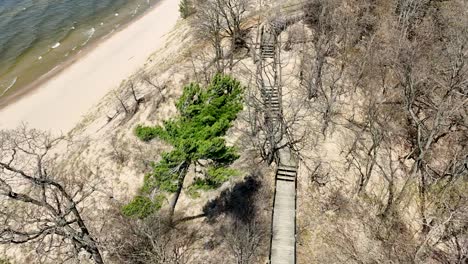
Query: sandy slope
point(59, 103)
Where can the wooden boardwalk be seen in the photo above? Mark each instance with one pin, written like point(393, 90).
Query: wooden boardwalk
point(283, 240)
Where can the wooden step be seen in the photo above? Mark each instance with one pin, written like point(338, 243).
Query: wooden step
point(282, 178)
point(273, 110)
point(267, 46)
point(268, 52)
point(273, 107)
point(270, 95)
point(287, 173)
point(287, 168)
point(270, 91)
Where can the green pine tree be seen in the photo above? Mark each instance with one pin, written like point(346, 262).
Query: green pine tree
point(205, 115)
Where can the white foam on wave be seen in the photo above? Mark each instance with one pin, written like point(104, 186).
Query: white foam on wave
point(56, 45)
point(90, 34)
point(9, 86)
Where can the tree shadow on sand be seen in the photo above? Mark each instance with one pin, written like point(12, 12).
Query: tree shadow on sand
point(237, 202)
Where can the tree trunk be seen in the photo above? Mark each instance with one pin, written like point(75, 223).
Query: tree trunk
point(96, 255)
point(390, 199)
point(422, 203)
point(180, 184)
point(316, 81)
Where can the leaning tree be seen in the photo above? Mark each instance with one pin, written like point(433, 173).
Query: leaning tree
point(197, 137)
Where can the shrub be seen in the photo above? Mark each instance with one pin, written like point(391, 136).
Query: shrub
point(214, 178)
point(145, 133)
point(186, 8)
point(142, 206)
point(4, 261)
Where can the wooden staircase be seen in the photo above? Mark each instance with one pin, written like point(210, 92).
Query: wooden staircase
point(267, 50)
point(283, 238)
point(271, 101)
point(286, 173)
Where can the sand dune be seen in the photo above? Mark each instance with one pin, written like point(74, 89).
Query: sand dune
point(59, 103)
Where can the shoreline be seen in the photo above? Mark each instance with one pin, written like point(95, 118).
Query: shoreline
point(58, 99)
point(31, 87)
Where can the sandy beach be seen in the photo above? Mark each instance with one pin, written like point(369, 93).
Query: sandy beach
point(59, 103)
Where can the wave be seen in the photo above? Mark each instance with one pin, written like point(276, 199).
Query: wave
point(135, 11)
point(9, 86)
point(90, 34)
point(56, 45)
point(66, 34)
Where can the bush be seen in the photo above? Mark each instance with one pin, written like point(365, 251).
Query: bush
point(4, 261)
point(142, 206)
point(145, 133)
point(186, 8)
point(214, 178)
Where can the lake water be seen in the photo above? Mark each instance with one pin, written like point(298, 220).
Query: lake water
point(37, 35)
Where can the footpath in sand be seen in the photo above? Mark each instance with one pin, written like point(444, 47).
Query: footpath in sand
point(59, 103)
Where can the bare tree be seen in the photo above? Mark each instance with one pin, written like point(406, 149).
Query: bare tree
point(268, 136)
point(319, 15)
point(208, 26)
point(121, 99)
point(434, 102)
point(244, 240)
point(217, 20)
point(38, 204)
point(152, 240)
